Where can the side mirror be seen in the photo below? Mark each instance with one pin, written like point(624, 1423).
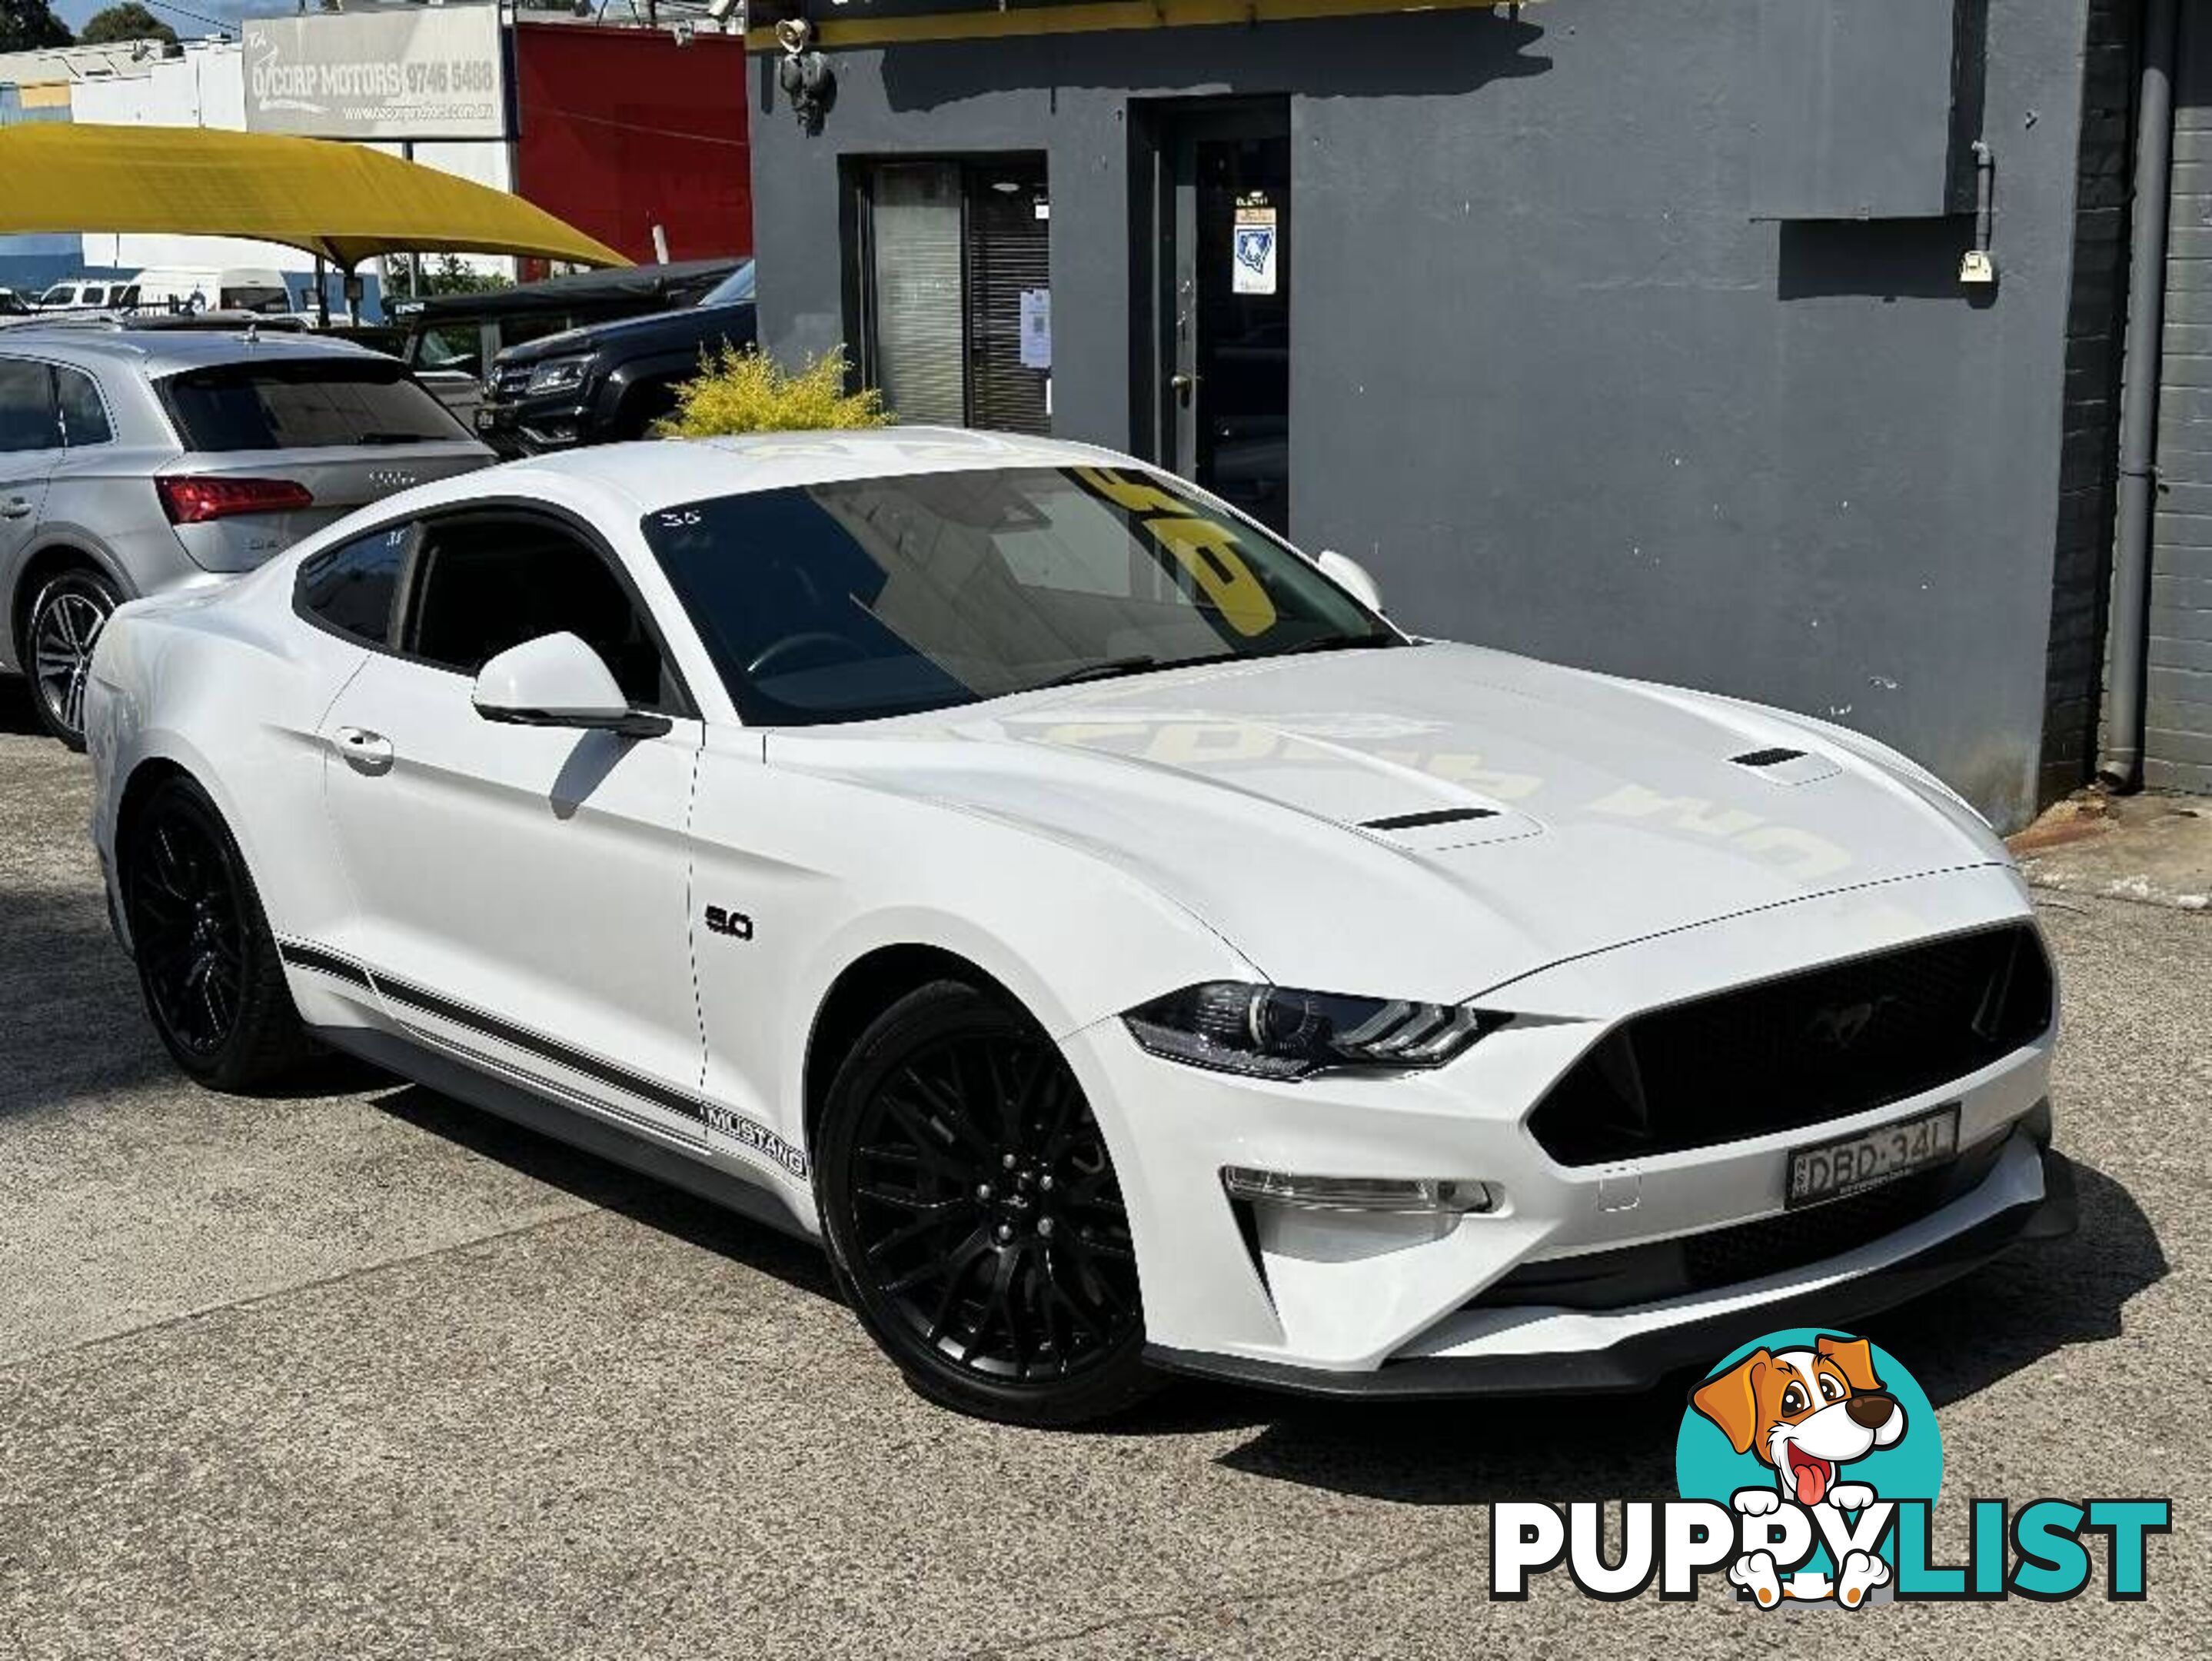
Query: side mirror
point(556, 680)
point(1349, 574)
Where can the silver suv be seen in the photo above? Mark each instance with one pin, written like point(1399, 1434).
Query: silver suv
point(139, 461)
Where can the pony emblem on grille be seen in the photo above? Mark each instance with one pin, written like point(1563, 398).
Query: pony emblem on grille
point(1840, 1025)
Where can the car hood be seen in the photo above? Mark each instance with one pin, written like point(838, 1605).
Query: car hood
point(1425, 822)
point(684, 325)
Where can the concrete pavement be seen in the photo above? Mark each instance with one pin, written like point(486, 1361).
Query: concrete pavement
point(2152, 848)
point(360, 1372)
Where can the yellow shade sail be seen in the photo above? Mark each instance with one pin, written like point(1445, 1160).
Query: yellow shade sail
point(345, 202)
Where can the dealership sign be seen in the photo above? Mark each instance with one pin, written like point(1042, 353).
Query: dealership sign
point(431, 74)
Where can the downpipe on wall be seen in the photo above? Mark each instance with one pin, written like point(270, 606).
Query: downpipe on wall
point(2121, 764)
point(1978, 266)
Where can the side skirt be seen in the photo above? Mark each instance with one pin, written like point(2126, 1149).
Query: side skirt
point(636, 1149)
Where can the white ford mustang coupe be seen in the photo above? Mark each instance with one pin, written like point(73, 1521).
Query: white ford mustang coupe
point(1125, 949)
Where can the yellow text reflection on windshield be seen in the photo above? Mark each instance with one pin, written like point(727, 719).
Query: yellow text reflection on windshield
point(1204, 547)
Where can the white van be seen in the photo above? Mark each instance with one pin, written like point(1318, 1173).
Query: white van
point(203, 288)
point(84, 294)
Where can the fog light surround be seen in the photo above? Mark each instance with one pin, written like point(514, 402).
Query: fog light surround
point(1403, 1195)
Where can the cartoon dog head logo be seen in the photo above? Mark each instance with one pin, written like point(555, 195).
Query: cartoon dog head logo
point(1805, 1413)
point(1811, 1427)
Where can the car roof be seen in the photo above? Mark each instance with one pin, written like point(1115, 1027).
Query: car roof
point(668, 285)
point(165, 351)
point(663, 473)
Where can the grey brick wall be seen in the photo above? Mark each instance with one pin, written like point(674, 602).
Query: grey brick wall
point(2082, 573)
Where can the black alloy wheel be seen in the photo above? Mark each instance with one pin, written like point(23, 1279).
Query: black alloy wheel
point(207, 964)
point(975, 1216)
point(64, 624)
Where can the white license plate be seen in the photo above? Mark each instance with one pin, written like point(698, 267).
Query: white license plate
point(1828, 1170)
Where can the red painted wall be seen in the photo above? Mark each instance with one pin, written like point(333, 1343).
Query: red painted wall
point(623, 129)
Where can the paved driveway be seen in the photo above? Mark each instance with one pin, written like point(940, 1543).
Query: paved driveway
point(363, 1373)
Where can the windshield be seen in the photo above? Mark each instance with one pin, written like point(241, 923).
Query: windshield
point(876, 597)
point(736, 287)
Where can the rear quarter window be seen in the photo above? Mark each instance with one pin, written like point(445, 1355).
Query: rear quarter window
point(84, 417)
point(349, 589)
point(303, 404)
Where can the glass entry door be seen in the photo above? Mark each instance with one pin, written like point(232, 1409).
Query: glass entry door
point(1229, 341)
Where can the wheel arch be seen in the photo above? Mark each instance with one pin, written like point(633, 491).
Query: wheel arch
point(631, 383)
point(862, 991)
point(145, 779)
point(147, 775)
point(48, 561)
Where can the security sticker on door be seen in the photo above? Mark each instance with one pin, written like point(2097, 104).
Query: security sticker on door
point(1253, 244)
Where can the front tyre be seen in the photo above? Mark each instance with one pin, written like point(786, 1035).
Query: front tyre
point(973, 1215)
point(207, 966)
point(59, 631)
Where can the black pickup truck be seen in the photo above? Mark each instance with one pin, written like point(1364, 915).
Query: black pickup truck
point(578, 359)
point(608, 380)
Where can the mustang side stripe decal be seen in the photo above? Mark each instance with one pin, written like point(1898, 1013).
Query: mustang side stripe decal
point(485, 1061)
point(574, 1060)
point(746, 1132)
point(323, 963)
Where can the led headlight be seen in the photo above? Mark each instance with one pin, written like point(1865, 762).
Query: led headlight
point(1272, 1032)
point(557, 374)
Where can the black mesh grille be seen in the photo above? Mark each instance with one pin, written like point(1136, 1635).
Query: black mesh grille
point(1809, 1046)
point(1635, 1275)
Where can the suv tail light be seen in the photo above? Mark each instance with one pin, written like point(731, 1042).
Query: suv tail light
point(193, 501)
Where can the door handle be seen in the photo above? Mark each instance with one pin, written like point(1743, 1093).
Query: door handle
point(14, 508)
point(1181, 385)
point(364, 752)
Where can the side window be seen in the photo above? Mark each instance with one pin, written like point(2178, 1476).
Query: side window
point(27, 417)
point(84, 417)
point(485, 584)
point(351, 589)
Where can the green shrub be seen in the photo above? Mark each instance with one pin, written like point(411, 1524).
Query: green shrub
point(743, 392)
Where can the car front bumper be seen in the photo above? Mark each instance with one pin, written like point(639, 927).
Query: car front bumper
point(1633, 1350)
point(525, 427)
point(1367, 1302)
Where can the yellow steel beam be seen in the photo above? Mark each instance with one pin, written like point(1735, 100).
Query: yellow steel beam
point(1095, 16)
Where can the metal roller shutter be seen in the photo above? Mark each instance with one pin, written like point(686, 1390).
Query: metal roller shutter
point(1009, 251)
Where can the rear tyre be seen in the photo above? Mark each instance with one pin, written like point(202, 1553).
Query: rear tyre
point(207, 966)
point(59, 631)
point(973, 1215)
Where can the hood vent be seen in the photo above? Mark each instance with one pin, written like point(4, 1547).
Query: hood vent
point(1420, 821)
point(1783, 765)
